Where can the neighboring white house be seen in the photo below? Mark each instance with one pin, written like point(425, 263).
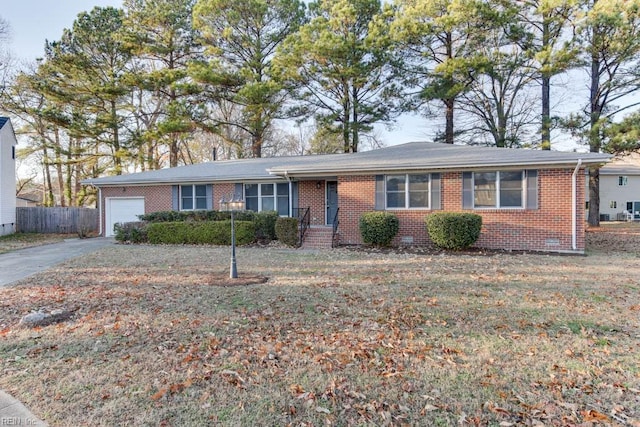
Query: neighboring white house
point(7, 177)
point(620, 189)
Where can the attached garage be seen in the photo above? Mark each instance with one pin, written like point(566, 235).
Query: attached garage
point(121, 209)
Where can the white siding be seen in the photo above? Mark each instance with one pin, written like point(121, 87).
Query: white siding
point(7, 180)
point(610, 192)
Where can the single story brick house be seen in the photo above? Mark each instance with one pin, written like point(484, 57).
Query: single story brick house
point(528, 199)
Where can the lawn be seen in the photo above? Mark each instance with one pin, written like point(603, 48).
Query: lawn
point(26, 240)
point(342, 337)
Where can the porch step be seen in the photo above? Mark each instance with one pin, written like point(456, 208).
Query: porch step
point(318, 238)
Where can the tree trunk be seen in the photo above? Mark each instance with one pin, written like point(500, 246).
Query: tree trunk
point(48, 199)
point(449, 102)
point(58, 165)
point(174, 152)
point(546, 97)
point(594, 133)
point(116, 139)
point(355, 140)
point(448, 130)
point(256, 146)
point(546, 114)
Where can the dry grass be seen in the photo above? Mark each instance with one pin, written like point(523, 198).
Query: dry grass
point(333, 338)
point(17, 241)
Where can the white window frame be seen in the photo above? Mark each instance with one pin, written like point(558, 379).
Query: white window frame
point(194, 198)
point(523, 191)
point(623, 180)
point(407, 192)
point(274, 196)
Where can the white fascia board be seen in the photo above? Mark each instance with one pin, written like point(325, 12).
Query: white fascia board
point(349, 170)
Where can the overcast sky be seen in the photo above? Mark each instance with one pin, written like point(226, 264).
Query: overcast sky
point(34, 21)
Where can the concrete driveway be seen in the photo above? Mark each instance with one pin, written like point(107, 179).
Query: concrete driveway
point(22, 263)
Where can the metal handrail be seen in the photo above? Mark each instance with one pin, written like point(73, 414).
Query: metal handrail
point(304, 222)
point(335, 228)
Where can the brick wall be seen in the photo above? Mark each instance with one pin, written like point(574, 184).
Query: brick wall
point(548, 228)
point(156, 197)
point(310, 196)
point(220, 191)
point(356, 194)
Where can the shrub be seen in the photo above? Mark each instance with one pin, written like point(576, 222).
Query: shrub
point(451, 230)
point(266, 225)
point(199, 215)
point(163, 216)
point(201, 232)
point(286, 230)
point(378, 228)
point(131, 232)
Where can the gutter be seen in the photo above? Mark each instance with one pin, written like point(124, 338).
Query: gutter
point(350, 170)
point(574, 208)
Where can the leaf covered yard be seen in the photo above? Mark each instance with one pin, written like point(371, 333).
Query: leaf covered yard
point(342, 337)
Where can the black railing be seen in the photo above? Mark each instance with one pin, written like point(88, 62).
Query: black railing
point(304, 221)
point(335, 228)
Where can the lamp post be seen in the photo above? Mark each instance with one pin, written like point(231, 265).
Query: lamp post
point(233, 204)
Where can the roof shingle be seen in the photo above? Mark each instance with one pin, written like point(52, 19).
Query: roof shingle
point(423, 156)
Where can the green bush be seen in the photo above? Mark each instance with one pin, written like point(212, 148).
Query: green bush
point(378, 228)
point(265, 225)
point(198, 215)
point(163, 216)
point(131, 232)
point(286, 230)
point(201, 232)
point(451, 230)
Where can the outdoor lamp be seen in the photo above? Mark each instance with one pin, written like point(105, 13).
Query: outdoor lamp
point(233, 204)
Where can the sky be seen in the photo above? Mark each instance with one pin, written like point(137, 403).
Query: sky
point(34, 21)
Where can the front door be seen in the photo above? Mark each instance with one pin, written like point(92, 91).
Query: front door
point(332, 201)
point(636, 210)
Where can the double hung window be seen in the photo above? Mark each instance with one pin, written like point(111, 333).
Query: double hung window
point(267, 197)
point(407, 191)
point(500, 189)
point(193, 197)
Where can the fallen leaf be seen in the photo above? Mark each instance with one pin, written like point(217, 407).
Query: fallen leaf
point(593, 415)
point(160, 394)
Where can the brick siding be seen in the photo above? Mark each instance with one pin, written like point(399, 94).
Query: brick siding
point(156, 197)
point(547, 228)
point(310, 196)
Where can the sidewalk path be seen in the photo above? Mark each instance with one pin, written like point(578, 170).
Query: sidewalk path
point(22, 263)
point(13, 413)
point(18, 265)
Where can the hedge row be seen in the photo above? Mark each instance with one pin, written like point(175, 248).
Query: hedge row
point(194, 228)
point(200, 233)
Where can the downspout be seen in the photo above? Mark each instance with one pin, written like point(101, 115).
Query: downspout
point(574, 208)
point(286, 176)
point(100, 212)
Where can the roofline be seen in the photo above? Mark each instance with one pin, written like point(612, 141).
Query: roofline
point(281, 171)
point(163, 181)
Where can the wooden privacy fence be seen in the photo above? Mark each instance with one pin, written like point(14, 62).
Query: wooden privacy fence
point(57, 220)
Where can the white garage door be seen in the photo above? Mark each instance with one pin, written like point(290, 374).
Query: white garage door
point(122, 209)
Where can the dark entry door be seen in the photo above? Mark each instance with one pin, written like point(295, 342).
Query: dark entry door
point(332, 201)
